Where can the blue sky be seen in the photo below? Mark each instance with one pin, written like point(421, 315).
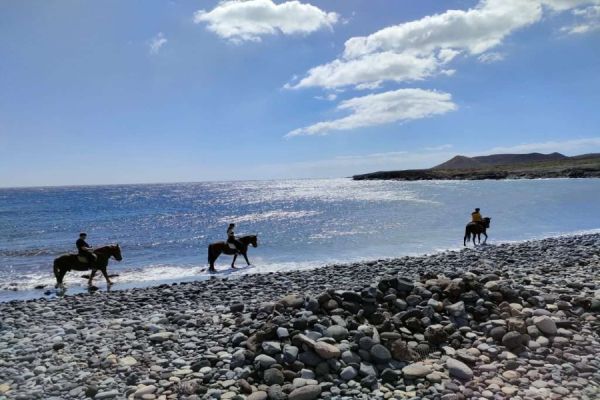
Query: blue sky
point(157, 91)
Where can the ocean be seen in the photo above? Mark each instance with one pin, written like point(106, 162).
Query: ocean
point(164, 229)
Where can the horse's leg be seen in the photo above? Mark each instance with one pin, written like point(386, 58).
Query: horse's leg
point(246, 257)
point(467, 237)
point(61, 277)
point(56, 275)
point(108, 281)
point(213, 254)
point(92, 274)
point(485, 240)
point(234, 258)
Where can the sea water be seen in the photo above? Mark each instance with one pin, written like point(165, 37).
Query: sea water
point(164, 229)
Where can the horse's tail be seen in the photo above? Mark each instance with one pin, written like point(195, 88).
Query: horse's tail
point(57, 273)
point(55, 267)
point(467, 235)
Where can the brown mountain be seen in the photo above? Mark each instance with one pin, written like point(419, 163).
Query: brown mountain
point(463, 162)
point(501, 166)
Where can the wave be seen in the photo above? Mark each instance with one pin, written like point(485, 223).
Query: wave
point(268, 215)
point(32, 252)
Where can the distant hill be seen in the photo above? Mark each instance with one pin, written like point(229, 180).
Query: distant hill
point(463, 162)
point(501, 166)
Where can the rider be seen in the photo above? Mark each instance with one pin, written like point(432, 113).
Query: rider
point(476, 216)
point(85, 250)
point(231, 237)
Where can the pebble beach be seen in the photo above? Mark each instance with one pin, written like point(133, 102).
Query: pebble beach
point(508, 321)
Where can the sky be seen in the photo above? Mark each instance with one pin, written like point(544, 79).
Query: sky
point(144, 91)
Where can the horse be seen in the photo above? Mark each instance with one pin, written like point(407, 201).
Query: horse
point(215, 250)
point(477, 228)
point(68, 262)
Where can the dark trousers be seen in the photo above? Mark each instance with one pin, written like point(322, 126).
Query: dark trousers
point(236, 243)
point(90, 257)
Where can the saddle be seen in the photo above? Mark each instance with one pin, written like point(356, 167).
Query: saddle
point(231, 246)
point(83, 259)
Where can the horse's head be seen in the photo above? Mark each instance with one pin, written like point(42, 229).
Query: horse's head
point(252, 239)
point(113, 250)
point(486, 221)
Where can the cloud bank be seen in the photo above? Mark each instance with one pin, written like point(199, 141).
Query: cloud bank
point(420, 49)
point(250, 20)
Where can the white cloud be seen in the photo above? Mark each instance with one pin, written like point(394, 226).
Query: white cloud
point(157, 43)
point(491, 57)
point(369, 71)
point(562, 5)
point(329, 97)
point(475, 30)
point(586, 145)
point(249, 20)
point(383, 108)
point(588, 20)
point(419, 49)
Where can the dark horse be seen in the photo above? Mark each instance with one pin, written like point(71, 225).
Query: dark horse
point(215, 250)
point(68, 262)
point(476, 229)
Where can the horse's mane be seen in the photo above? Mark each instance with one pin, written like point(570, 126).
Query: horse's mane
point(104, 248)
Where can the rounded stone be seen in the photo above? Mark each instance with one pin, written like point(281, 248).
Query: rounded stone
point(458, 369)
point(380, 354)
point(512, 340)
point(308, 392)
point(273, 376)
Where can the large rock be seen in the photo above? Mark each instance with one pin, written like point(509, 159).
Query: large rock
point(546, 325)
point(259, 395)
point(416, 370)
point(348, 373)
point(337, 332)
point(401, 351)
point(264, 361)
point(404, 285)
point(292, 300)
point(436, 334)
point(326, 350)
point(308, 392)
point(273, 376)
point(512, 340)
point(127, 361)
point(458, 369)
point(271, 348)
point(380, 354)
point(161, 337)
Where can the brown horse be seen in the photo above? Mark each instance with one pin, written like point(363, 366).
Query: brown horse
point(476, 229)
point(68, 262)
point(215, 250)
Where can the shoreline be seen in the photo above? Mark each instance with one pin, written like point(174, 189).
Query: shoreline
point(182, 340)
point(242, 272)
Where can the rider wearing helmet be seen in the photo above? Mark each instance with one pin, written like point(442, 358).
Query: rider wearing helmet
point(85, 250)
point(476, 216)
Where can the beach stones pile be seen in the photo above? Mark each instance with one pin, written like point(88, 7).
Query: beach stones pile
point(400, 338)
point(499, 322)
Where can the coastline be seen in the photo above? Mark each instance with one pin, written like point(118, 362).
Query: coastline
point(469, 175)
point(48, 292)
point(176, 341)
